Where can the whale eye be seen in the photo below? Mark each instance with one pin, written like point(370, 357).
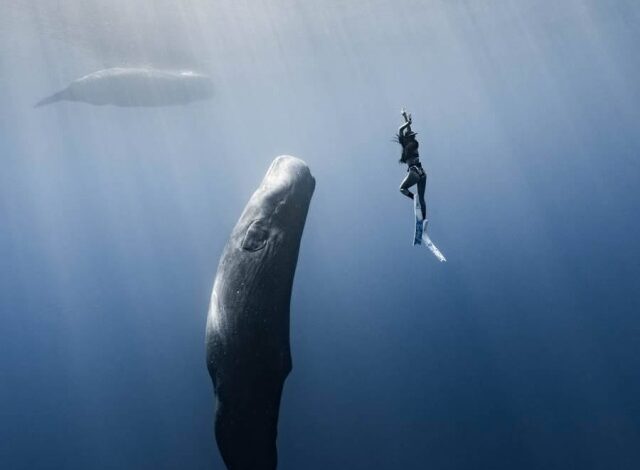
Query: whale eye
point(256, 237)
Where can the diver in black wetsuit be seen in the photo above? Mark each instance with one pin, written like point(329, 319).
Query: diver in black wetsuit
point(417, 176)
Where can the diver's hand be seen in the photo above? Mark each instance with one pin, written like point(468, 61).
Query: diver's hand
point(405, 115)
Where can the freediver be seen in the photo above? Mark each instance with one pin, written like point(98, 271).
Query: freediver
point(417, 176)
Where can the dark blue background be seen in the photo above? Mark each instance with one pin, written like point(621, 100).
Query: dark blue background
point(522, 352)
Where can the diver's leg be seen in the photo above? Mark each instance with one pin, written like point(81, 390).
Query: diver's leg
point(411, 179)
point(422, 184)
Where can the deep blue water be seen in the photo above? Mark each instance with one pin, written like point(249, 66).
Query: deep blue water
point(522, 352)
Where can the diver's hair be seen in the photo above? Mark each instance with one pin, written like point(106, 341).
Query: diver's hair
point(398, 139)
point(403, 141)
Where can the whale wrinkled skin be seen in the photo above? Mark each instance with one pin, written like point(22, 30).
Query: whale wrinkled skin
point(247, 337)
point(131, 87)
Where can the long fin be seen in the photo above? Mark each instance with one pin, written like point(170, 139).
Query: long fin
point(432, 247)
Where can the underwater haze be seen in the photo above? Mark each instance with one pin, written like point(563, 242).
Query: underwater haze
point(521, 352)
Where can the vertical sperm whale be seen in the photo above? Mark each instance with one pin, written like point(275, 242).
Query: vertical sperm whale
point(247, 336)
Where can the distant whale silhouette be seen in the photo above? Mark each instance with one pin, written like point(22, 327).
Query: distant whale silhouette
point(136, 87)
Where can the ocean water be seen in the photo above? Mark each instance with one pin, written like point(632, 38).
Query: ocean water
point(521, 352)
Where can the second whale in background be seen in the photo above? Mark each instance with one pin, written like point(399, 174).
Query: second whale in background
point(131, 87)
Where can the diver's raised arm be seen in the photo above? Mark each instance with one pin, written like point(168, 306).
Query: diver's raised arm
point(403, 129)
point(406, 127)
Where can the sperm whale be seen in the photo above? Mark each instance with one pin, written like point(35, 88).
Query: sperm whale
point(247, 336)
point(131, 87)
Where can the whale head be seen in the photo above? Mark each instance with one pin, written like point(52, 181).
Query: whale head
point(257, 266)
point(277, 209)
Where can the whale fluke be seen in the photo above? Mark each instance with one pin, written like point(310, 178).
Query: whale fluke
point(248, 354)
point(60, 96)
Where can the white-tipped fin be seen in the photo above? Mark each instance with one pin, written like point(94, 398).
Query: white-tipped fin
point(429, 244)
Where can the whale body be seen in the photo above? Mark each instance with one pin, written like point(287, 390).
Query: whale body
point(247, 336)
point(132, 87)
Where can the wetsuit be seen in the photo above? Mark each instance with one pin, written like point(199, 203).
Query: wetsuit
point(417, 175)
